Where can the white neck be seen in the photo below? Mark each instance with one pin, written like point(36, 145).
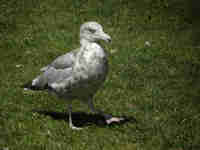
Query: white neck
point(89, 45)
point(84, 42)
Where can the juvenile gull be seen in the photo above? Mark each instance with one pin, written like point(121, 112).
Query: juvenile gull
point(79, 73)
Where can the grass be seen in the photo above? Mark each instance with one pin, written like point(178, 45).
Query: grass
point(158, 85)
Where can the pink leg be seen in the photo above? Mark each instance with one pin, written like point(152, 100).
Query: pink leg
point(114, 119)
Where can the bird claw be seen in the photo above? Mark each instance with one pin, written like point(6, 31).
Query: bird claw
point(75, 128)
point(114, 119)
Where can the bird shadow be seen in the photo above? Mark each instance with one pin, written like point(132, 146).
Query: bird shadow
point(82, 119)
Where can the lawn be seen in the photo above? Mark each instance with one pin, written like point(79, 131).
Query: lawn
point(154, 77)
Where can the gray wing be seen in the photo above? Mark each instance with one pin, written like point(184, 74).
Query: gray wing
point(65, 61)
point(52, 75)
point(61, 80)
point(74, 80)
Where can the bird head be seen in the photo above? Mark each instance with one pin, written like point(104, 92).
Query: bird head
point(93, 32)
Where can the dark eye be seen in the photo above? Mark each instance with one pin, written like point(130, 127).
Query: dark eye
point(91, 30)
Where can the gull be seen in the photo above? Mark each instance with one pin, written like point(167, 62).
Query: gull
point(78, 74)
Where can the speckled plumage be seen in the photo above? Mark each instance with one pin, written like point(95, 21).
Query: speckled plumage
point(79, 73)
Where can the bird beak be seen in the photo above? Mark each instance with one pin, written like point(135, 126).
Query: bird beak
point(105, 37)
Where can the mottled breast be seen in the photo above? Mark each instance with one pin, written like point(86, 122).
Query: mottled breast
point(90, 71)
point(95, 61)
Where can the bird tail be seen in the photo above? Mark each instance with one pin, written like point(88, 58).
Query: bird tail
point(35, 86)
point(30, 86)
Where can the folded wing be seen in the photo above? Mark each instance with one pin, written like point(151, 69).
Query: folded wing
point(62, 62)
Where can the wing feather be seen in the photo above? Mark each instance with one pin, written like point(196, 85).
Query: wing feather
point(65, 61)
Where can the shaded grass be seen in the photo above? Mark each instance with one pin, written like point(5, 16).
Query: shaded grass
point(158, 85)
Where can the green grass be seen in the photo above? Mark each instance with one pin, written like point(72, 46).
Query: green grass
point(156, 85)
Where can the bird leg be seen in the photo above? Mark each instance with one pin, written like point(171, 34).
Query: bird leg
point(109, 119)
point(70, 118)
point(114, 119)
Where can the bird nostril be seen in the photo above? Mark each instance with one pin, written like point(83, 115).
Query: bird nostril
point(109, 40)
